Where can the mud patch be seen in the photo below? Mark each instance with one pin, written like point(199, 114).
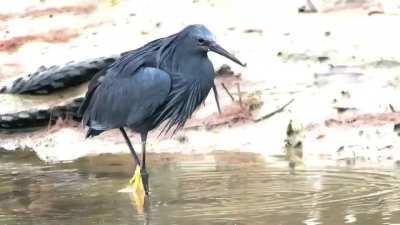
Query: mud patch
point(10, 69)
point(51, 11)
point(377, 119)
point(74, 10)
point(232, 114)
point(53, 36)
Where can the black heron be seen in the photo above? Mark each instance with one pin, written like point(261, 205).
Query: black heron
point(161, 83)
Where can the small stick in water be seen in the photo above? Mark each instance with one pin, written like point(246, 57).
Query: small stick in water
point(392, 108)
point(280, 109)
point(227, 91)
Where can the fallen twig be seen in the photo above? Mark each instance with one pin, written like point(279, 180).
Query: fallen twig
point(392, 108)
point(308, 8)
point(311, 6)
point(227, 91)
point(274, 112)
point(239, 94)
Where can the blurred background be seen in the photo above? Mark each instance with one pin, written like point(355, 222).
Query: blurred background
point(321, 90)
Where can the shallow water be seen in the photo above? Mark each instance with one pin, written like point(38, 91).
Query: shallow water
point(202, 189)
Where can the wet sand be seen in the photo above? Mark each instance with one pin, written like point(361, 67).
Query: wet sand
point(341, 66)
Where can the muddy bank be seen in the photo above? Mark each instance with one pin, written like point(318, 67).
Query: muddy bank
point(345, 87)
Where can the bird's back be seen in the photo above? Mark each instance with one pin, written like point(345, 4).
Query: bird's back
point(149, 55)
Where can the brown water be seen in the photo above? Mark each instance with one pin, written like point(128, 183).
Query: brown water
point(202, 189)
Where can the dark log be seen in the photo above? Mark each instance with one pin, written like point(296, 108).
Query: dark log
point(48, 80)
point(26, 120)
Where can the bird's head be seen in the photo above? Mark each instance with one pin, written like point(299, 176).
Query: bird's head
point(200, 39)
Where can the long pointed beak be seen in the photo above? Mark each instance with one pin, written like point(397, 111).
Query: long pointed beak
point(218, 49)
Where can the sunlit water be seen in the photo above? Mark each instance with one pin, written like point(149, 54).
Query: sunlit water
point(209, 189)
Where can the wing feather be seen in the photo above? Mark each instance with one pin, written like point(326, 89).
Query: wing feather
point(128, 100)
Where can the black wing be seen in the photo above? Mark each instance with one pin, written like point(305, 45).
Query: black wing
point(149, 55)
point(128, 100)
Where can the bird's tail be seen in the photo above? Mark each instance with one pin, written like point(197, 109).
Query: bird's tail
point(92, 132)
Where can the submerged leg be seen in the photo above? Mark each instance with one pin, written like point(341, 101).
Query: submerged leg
point(143, 171)
point(130, 146)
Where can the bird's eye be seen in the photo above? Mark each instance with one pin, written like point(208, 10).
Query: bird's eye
point(201, 40)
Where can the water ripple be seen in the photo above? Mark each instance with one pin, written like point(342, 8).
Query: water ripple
point(200, 193)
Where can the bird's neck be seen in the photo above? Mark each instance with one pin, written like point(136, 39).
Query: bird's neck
point(192, 65)
point(192, 69)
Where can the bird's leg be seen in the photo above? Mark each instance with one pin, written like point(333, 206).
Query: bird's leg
point(216, 98)
point(135, 157)
point(143, 171)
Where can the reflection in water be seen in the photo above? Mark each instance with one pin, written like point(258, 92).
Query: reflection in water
point(349, 217)
point(201, 189)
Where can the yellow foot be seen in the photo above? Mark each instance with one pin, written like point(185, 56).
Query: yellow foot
point(136, 181)
point(138, 193)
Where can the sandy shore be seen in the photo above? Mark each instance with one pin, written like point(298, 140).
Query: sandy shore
point(340, 65)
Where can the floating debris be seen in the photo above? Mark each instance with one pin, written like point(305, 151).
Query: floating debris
point(294, 144)
point(225, 70)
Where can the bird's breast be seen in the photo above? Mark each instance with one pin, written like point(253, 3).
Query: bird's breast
point(202, 73)
point(190, 84)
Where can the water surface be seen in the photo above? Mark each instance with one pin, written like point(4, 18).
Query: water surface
point(220, 188)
